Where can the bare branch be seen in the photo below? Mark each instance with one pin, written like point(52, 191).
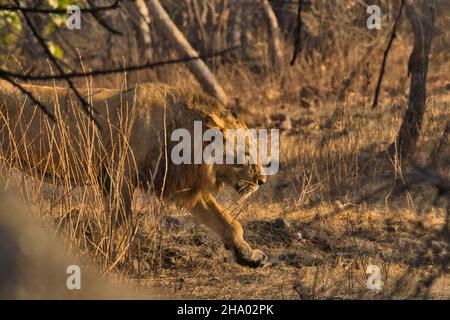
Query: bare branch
point(385, 55)
point(95, 73)
point(101, 21)
point(85, 105)
point(32, 98)
point(91, 10)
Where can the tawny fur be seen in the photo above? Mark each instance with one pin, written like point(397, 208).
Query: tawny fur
point(132, 139)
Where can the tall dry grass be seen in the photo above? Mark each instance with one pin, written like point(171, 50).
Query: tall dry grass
point(72, 181)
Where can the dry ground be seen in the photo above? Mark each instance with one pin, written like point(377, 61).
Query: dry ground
point(330, 212)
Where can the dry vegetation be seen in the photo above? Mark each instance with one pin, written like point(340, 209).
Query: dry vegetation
point(336, 205)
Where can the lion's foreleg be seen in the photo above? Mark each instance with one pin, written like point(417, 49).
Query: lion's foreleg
point(208, 212)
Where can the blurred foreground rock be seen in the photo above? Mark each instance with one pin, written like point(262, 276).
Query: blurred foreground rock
point(33, 262)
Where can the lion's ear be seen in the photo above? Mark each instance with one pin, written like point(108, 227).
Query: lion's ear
point(215, 122)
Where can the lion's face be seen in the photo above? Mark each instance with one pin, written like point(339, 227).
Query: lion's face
point(245, 173)
point(244, 178)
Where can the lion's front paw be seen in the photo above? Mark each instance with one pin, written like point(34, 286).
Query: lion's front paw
point(250, 258)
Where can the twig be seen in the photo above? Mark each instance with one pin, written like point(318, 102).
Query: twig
point(102, 21)
point(85, 105)
point(94, 73)
point(385, 55)
point(92, 10)
point(32, 98)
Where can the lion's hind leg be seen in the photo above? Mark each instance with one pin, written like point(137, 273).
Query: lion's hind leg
point(208, 212)
point(117, 200)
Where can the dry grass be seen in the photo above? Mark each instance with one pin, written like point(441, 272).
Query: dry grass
point(332, 210)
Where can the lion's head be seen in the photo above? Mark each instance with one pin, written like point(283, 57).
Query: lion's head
point(228, 154)
point(241, 169)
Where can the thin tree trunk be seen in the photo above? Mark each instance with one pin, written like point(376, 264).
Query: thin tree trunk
point(216, 35)
point(144, 25)
point(245, 54)
point(234, 27)
point(421, 14)
point(198, 68)
point(201, 27)
point(274, 34)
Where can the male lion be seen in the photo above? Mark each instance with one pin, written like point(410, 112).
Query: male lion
point(128, 147)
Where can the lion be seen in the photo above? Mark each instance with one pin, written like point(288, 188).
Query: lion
point(125, 135)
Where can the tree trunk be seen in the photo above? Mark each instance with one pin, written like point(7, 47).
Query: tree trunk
point(274, 34)
point(144, 25)
point(201, 28)
point(234, 28)
point(217, 30)
point(198, 68)
point(245, 45)
point(421, 14)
